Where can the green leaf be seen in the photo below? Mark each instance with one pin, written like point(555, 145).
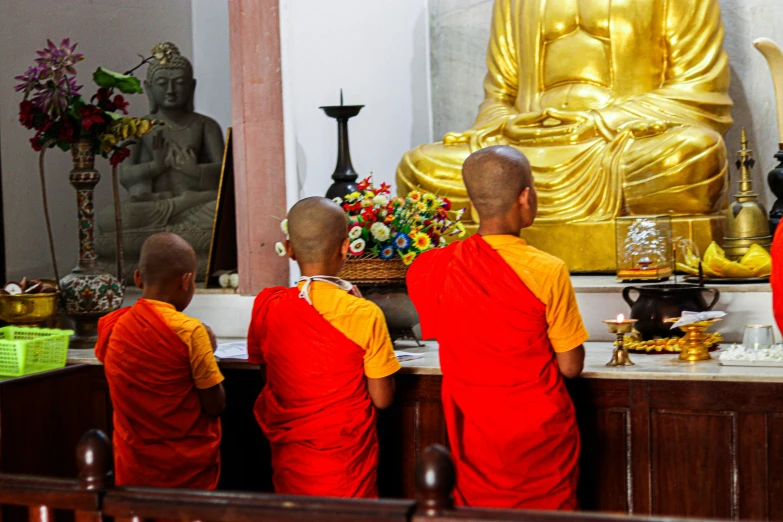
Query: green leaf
point(126, 83)
point(114, 116)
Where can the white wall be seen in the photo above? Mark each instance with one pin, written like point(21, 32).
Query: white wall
point(377, 52)
point(211, 60)
point(110, 33)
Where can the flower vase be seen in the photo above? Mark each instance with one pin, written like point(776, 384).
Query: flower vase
point(88, 292)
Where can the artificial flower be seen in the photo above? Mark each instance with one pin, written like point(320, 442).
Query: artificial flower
point(67, 131)
point(369, 216)
point(385, 188)
point(415, 196)
point(355, 233)
point(363, 184)
point(460, 213)
point(119, 156)
point(442, 241)
point(387, 252)
point(402, 241)
point(30, 80)
point(408, 258)
point(353, 196)
point(389, 219)
point(422, 207)
point(461, 229)
point(380, 200)
point(284, 226)
point(338, 200)
point(446, 204)
point(429, 197)
point(421, 241)
point(366, 202)
point(26, 114)
point(90, 115)
point(144, 126)
point(36, 142)
point(56, 61)
point(108, 141)
point(120, 104)
point(380, 232)
point(357, 247)
point(280, 249)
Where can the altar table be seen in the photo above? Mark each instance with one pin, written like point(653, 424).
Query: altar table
point(662, 437)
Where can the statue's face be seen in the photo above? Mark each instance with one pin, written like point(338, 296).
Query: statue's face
point(171, 88)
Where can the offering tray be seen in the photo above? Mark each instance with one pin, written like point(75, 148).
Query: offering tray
point(737, 355)
point(668, 346)
point(727, 280)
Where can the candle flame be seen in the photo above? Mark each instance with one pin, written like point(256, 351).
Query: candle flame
point(620, 318)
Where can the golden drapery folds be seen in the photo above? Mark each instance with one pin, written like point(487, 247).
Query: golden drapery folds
point(620, 105)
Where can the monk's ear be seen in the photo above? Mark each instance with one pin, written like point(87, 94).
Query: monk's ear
point(137, 279)
point(187, 280)
point(288, 250)
point(524, 198)
point(344, 248)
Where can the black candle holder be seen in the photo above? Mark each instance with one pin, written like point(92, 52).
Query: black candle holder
point(344, 176)
point(775, 181)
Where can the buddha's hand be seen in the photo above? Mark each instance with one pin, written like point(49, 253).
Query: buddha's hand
point(160, 155)
point(185, 161)
point(480, 137)
point(552, 125)
point(647, 129)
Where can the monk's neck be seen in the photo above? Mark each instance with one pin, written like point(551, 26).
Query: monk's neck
point(498, 229)
point(319, 269)
point(159, 294)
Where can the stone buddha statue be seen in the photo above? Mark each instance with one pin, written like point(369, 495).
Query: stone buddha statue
point(172, 175)
point(620, 107)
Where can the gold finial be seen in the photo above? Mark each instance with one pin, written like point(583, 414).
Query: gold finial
point(744, 140)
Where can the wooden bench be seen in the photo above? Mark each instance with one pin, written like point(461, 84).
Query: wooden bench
point(93, 498)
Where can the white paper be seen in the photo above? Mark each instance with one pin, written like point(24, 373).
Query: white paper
point(695, 317)
point(235, 350)
point(407, 356)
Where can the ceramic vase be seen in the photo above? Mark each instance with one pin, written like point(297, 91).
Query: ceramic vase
point(88, 292)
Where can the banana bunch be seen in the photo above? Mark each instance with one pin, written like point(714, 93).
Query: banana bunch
point(755, 263)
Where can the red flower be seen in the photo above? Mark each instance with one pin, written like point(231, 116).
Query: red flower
point(369, 216)
point(90, 115)
point(35, 141)
point(384, 189)
point(102, 94)
point(67, 131)
point(26, 115)
point(446, 204)
point(44, 126)
point(120, 103)
point(352, 207)
point(364, 184)
point(119, 156)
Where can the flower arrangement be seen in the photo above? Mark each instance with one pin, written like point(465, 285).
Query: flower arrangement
point(53, 107)
point(386, 227)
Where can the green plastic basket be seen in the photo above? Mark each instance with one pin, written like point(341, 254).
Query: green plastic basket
point(32, 350)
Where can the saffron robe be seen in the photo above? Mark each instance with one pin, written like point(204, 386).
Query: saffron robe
point(510, 421)
point(161, 437)
point(776, 278)
point(315, 408)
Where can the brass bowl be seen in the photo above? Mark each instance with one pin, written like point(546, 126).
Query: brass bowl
point(27, 309)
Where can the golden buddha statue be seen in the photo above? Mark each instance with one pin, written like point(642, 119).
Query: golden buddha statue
point(620, 106)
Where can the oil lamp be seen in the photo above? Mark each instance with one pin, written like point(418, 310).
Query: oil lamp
point(620, 327)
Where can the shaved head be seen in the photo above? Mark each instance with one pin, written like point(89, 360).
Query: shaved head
point(317, 228)
point(165, 258)
point(495, 177)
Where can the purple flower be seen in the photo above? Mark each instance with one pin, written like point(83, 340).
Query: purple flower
point(54, 96)
point(57, 61)
point(29, 80)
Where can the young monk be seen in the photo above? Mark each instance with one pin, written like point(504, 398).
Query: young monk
point(164, 382)
point(506, 319)
point(329, 365)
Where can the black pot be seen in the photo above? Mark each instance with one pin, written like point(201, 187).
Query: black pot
point(656, 303)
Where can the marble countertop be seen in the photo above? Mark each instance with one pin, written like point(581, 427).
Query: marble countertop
point(647, 367)
point(605, 283)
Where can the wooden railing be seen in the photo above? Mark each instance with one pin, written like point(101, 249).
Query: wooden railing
point(93, 498)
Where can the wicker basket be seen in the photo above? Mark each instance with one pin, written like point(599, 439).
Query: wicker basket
point(373, 271)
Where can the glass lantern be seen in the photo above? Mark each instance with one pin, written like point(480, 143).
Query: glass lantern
point(644, 248)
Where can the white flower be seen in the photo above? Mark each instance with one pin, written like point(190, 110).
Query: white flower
point(284, 226)
point(357, 247)
point(280, 249)
point(338, 200)
point(380, 232)
point(234, 280)
point(380, 200)
point(366, 203)
point(355, 232)
point(442, 241)
point(460, 213)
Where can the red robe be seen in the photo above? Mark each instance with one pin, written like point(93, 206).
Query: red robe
point(776, 278)
point(510, 421)
point(314, 409)
point(161, 436)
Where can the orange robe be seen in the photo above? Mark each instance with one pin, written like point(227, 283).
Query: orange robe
point(510, 421)
point(161, 436)
point(315, 408)
point(776, 278)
